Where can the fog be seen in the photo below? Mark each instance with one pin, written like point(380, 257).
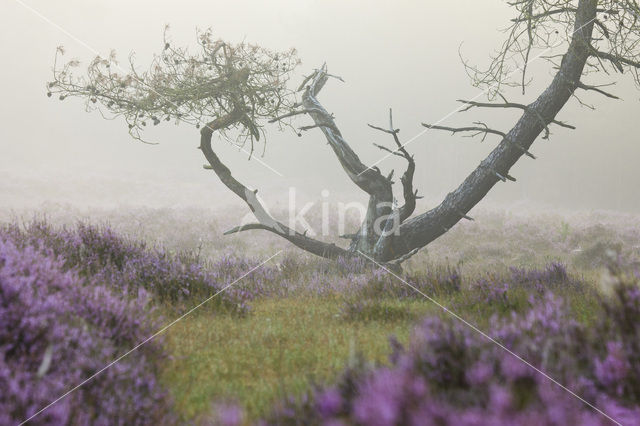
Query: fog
point(402, 54)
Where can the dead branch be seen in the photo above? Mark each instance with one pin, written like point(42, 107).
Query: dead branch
point(617, 60)
point(426, 227)
point(409, 194)
point(478, 130)
point(289, 114)
point(506, 104)
point(265, 220)
point(404, 258)
point(390, 151)
point(597, 89)
point(369, 179)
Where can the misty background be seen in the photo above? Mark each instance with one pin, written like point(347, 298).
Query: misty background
point(402, 54)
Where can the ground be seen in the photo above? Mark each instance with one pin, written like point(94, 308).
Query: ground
point(310, 318)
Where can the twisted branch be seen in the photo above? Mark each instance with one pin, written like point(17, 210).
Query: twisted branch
point(265, 220)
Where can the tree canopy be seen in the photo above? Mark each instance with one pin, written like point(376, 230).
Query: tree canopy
point(180, 86)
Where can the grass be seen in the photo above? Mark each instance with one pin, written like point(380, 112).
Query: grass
point(283, 347)
point(287, 344)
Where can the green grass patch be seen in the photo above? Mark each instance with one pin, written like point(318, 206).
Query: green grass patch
point(281, 348)
point(286, 344)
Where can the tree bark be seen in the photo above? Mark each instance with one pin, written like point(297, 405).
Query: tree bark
point(265, 220)
point(419, 231)
point(369, 180)
point(423, 229)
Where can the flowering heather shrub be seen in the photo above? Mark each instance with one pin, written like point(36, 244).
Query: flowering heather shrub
point(553, 274)
point(618, 368)
point(102, 256)
point(450, 375)
point(356, 278)
point(492, 290)
point(435, 281)
point(548, 337)
point(508, 291)
point(230, 267)
point(55, 331)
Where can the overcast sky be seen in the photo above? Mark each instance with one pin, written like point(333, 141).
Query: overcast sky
point(400, 54)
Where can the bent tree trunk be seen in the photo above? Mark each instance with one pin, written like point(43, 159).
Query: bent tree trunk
point(243, 85)
point(374, 238)
point(423, 229)
point(265, 220)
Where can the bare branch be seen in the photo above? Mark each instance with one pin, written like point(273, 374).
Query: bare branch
point(304, 82)
point(507, 104)
point(477, 130)
point(289, 114)
point(399, 215)
point(247, 227)
point(559, 11)
point(384, 148)
point(617, 60)
point(404, 258)
point(603, 29)
point(316, 126)
point(543, 25)
point(391, 132)
point(409, 194)
point(426, 227)
point(597, 89)
point(265, 220)
point(370, 180)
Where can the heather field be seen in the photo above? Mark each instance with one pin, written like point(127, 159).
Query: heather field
point(292, 213)
point(302, 340)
